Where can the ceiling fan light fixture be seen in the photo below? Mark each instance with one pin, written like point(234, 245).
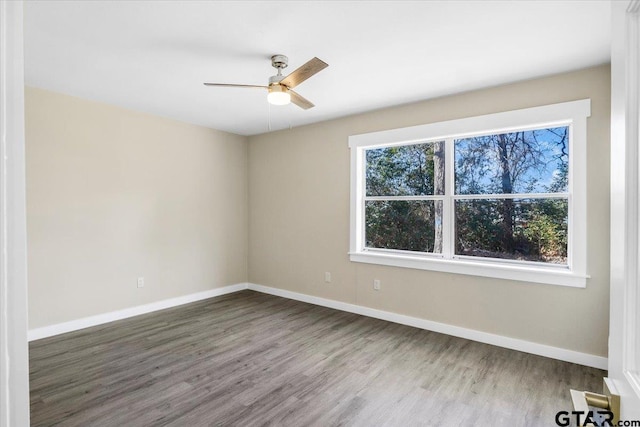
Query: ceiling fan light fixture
point(278, 95)
point(280, 89)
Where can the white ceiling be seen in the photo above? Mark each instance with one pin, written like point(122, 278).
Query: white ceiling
point(154, 56)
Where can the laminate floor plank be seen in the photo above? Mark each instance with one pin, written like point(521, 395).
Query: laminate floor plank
point(250, 359)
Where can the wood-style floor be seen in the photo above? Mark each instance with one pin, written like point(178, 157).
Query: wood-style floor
point(249, 359)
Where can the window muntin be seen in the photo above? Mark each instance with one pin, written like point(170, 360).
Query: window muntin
point(567, 195)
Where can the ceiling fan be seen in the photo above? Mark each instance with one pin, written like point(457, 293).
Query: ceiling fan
point(280, 87)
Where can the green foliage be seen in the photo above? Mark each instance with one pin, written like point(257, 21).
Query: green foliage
point(405, 225)
point(477, 226)
point(539, 231)
point(546, 230)
point(400, 171)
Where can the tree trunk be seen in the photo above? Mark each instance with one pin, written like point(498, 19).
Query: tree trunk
point(438, 189)
point(508, 243)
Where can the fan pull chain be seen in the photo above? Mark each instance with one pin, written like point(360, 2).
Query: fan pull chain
point(269, 116)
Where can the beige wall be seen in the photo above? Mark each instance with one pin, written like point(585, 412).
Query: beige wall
point(299, 223)
point(114, 194)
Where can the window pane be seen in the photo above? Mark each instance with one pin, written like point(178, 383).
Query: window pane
point(535, 161)
point(519, 229)
point(405, 225)
point(408, 170)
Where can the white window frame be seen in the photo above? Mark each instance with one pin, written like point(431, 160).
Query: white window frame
point(573, 114)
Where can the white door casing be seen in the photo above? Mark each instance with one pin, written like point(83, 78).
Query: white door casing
point(624, 333)
point(14, 357)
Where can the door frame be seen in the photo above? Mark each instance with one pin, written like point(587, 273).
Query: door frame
point(624, 334)
point(14, 354)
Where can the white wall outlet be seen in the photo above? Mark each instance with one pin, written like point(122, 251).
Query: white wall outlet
point(141, 282)
point(376, 284)
point(327, 277)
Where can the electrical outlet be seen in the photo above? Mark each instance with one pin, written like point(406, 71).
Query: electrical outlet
point(327, 277)
point(376, 284)
point(141, 282)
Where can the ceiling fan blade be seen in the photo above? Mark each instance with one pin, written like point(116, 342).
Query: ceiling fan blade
point(300, 101)
point(233, 85)
point(301, 74)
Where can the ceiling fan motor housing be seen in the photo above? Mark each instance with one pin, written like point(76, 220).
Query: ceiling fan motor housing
point(279, 61)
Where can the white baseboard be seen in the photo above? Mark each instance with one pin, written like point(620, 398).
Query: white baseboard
point(86, 322)
point(457, 331)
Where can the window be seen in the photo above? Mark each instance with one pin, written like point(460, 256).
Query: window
point(501, 195)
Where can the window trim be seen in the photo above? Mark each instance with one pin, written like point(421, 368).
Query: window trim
point(573, 114)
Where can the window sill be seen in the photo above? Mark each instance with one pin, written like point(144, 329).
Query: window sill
point(561, 276)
